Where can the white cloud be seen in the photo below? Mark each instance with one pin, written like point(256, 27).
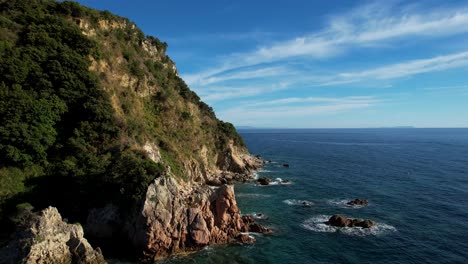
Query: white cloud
point(408, 68)
point(288, 108)
point(368, 25)
point(214, 94)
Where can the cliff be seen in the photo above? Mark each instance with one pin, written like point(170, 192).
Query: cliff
point(95, 121)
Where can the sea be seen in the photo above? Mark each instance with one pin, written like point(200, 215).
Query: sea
point(416, 182)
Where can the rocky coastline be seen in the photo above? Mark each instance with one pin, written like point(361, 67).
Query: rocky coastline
point(176, 217)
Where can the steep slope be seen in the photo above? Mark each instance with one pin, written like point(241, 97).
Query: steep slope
point(95, 121)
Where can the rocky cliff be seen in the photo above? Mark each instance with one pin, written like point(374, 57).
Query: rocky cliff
point(95, 121)
point(46, 238)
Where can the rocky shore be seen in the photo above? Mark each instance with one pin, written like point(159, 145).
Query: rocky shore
point(175, 217)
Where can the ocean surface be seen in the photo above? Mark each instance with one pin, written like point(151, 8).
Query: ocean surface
point(416, 181)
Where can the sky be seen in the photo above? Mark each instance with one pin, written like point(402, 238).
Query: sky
point(316, 64)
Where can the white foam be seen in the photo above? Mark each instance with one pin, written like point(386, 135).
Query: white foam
point(317, 224)
point(263, 171)
point(259, 216)
point(277, 181)
point(255, 175)
point(298, 202)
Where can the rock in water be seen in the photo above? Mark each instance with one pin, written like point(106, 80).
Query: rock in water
point(341, 221)
point(48, 239)
point(245, 239)
point(177, 218)
point(357, 202)
point(264, 181)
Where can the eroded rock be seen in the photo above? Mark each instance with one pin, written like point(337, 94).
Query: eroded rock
point(341, 221)
point(46, 238)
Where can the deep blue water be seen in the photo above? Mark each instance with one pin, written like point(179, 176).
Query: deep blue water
point(416, 181)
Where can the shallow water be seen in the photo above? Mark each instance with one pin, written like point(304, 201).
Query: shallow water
point(416, 181)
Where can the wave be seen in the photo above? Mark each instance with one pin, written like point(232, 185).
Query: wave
point(304, 203)
point(317, 224)
point(255, 175)
point(263, 171)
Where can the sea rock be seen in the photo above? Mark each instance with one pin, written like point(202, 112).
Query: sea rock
point(264, 181)
point(286, 165)
point(178, 218)
point(357, 202)
point(257, 228)
point(46, 238)
point(341, 221)
point(245, 239)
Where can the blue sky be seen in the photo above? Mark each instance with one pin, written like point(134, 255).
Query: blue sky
point(317, 64)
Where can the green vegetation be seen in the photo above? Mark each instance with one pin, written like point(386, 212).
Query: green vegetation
point(55, 120)
point(76, 110)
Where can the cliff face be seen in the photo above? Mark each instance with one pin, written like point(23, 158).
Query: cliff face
point(87, 100)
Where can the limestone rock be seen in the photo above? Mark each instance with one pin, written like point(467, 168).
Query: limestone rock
point(48, 239)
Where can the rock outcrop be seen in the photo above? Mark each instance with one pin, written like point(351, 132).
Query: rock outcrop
point(264, 181)
point(46, 238)
point(341, 221)
point(178, 218)
point(360, 202)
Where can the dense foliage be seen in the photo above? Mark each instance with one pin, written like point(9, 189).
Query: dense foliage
point(72, 133)
point(56, 124)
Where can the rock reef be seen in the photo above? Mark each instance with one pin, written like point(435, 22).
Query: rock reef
point(341, 221)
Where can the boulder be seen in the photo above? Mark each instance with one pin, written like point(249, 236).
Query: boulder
point(48, 239)
point(341, 221)
point(357, 202)
point(264, 181)
point(245, 239)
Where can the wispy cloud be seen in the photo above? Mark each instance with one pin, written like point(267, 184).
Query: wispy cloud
point(407, 68)
point(241, 75)
point(214, 94)
point(289, 108)
point(362, 27)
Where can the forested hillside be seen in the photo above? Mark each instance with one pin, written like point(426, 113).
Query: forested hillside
point(92, 111)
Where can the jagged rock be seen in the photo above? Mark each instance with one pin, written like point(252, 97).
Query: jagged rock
point(48, 239)
point(341, 221)
point(177, 218)
point(246, 239)
point(264, 180)
point(257, 228)
point(357, 202)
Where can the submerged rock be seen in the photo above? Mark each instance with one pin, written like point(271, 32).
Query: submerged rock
point(286, 165)
point(341, 221)
point(46, 238)
point(360, 202)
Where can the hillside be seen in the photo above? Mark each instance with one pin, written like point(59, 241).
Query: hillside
point(93, 115)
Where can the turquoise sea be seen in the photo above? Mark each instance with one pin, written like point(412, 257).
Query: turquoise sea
point(416, 181)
